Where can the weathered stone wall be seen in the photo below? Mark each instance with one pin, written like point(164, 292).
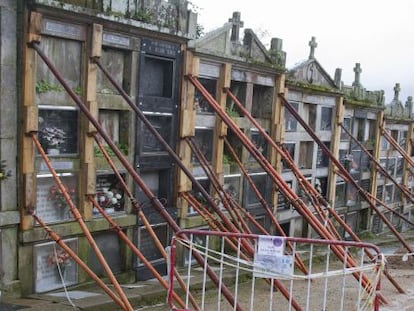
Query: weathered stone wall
point(9, 216)
point(172, 15)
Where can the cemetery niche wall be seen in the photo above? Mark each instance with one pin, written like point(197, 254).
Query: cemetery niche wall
point(144, 58)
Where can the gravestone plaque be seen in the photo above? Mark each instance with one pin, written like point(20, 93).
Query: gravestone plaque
point(61, 29)
point(116, 39)
point(51, 205)
point(108, 243)
point(52, 266)
point(57, 165)
point(161, 48)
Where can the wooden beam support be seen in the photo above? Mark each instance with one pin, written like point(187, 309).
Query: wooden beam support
point(187, 128)
point(30, 122)
point(336, 138)
point(88, 171)
point(277, 130)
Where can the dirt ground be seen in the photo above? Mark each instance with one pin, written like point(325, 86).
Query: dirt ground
point(401, 271)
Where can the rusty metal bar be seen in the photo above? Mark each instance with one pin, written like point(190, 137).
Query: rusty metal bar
point(143, 219)
point(85, 230)
point(344, 171)
point(136, 251)
point(395, 144)
point(263, 202)
point(155, 202)
point(55, 237)
point(225, 200)
point(289, 193)
point(229, 205)
point(382, 170)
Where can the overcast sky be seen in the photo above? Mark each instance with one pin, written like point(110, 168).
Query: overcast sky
point(377, 34)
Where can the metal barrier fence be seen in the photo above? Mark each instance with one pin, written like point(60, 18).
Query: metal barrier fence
point(255, 280)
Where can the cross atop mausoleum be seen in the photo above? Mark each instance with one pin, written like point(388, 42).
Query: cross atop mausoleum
point(313, 46)
point(397, 90)
point(237, 24)
point(357, 70)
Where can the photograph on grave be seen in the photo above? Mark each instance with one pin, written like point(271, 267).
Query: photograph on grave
point(53, 267)
point(51, 205)
point(58, 130)
point(109, 194)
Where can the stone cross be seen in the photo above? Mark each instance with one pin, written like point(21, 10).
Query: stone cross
point(312, 45)
point(397, 90)
point(357, 70)
point(237, 24)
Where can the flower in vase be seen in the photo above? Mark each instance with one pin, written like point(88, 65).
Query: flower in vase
point(109, 199)
point(52, 137)
point(56, 195)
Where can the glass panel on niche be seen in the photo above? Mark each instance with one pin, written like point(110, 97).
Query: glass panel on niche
point(260, 181)
point(291, 123)
point(400, 167)
point(322, 160)
point(159, 183)
point(290, 148)
point(351, 196)
point(113, 61)
point(52, 266)
point(347, 125)
point(204, 141)
point(326, 119)
point(391, 166)
point(380, 192)
point(146, 243)
point(232, 186)
point(205, 183)
point(201, 104)
point(51, 205)
point(58, 130)
point(66, 57)
point(157, 78)
point(388, 194)
point(162, 124)
point(239, 91)
point(282, 202)
point(109, 194)
point(311, 110)
point(260, 143)
point(305, 154)
point(340, 194)
point(262, 101)
point(109, 120)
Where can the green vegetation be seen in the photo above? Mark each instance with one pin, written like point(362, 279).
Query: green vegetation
point(43, 86)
